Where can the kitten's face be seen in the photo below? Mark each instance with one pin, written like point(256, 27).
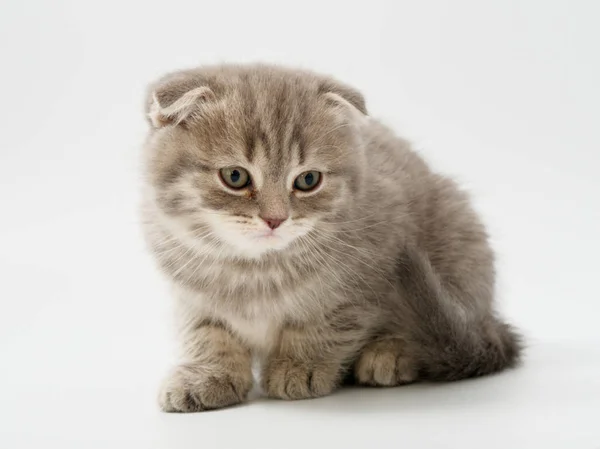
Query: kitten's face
point(258, 169)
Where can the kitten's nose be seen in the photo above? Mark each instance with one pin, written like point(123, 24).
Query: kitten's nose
point(273, 223)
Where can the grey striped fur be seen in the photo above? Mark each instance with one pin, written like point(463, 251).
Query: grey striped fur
point(383, 275)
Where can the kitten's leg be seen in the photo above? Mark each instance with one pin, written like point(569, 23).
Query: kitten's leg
point(311, 360)
point(385, 362)
point(217, 372)
point(437, 331)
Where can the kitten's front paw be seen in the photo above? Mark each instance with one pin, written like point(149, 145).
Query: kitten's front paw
point(194, 388)
point(385, 363)
point(291, 379)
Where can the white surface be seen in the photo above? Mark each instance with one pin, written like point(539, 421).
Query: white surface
point(503, 95)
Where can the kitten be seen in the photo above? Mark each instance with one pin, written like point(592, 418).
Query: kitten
point(298, 230)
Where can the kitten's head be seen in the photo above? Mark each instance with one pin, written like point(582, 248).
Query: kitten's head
point(254, 157)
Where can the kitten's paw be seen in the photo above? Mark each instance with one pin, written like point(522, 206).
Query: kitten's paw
point(291, 379)
point(193, 389)
point(385, 363)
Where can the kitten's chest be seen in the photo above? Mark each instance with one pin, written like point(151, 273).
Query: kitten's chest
point(257, 301)
point(257, 319)
point(251, 287)
point(258, 331)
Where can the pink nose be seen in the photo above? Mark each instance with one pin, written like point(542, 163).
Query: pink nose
point(273, 223)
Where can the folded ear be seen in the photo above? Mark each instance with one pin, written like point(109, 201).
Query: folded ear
point(348, 95)
point(175, 99)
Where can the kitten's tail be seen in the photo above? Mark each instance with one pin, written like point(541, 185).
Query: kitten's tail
point(452, 343)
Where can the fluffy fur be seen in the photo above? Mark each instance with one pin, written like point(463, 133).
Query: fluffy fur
point(383, 274)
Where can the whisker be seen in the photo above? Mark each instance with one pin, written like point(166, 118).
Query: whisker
point(332, 130)
point(357, 278)
point(373, 256)
point(358, 259)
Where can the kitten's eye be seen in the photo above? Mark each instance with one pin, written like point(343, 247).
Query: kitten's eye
point(307, 181)
point(235, 177)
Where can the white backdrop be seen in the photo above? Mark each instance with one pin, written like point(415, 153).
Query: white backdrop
point(504, 95)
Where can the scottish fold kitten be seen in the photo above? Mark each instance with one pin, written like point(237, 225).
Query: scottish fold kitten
point(298, 230)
